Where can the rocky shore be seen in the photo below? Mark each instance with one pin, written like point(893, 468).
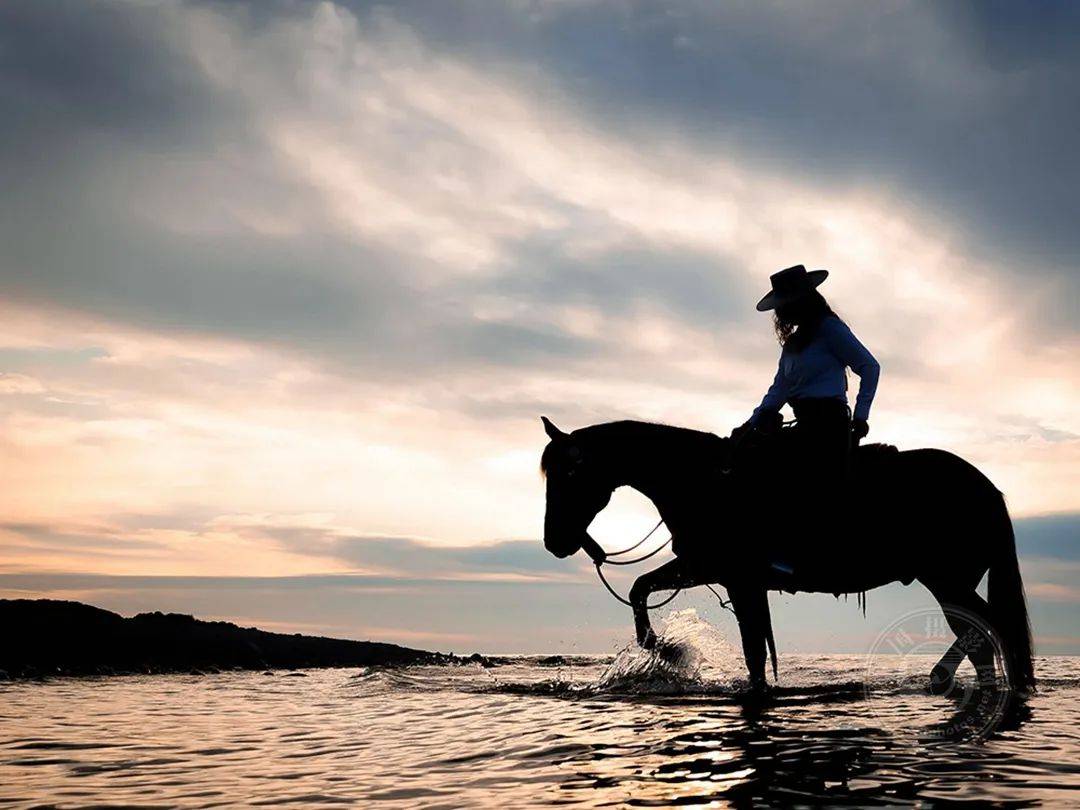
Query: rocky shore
point(45, 637)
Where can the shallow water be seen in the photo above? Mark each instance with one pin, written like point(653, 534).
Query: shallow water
point(639, 730)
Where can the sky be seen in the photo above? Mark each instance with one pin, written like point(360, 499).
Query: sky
point(285, 286)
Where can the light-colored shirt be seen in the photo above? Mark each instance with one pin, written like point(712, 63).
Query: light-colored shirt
point(818, 371)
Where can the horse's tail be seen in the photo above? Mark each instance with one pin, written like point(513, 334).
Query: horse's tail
point(1008, 607)
point(770, 641)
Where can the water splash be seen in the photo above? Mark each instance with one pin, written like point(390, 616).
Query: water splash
point(690, 656)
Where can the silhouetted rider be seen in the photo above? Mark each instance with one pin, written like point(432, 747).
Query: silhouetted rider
point(818, 347)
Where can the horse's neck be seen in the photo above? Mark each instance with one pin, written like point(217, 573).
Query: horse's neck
point(647, 466)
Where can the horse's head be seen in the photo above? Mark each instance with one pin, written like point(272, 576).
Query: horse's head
point(577, 490)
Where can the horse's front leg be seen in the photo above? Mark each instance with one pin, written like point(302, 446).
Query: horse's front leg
point(669, 576)
point(751, 605)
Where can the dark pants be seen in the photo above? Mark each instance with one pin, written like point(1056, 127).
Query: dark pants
point(821, 440)
point(819, 450)
point(807, 465)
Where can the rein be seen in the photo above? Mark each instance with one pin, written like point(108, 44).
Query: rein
point(608, 555)
point(626, 602)
point(605, 559)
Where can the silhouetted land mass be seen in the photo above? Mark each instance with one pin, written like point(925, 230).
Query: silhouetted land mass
point(41, 637)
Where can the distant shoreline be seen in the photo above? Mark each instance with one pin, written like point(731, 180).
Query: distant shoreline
point(47, 638)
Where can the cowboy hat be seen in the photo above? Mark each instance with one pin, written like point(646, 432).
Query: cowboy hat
point(790, 285)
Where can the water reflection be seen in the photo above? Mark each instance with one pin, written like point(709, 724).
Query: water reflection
point(779, 751)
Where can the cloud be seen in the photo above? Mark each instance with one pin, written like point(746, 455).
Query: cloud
point(1053, 592)
point(1049, 536)
point(507, 560)
point(201, 544)
point(286, 285)
point(354, 188)
point(19, 384)
point(222, 222)
point(956, 107)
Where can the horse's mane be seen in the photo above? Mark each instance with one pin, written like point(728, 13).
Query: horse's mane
point(629, 430)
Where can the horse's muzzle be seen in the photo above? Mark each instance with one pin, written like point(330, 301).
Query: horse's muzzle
point(560, 550)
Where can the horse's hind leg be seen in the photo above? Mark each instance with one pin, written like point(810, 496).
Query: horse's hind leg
point(968, 616)
point(944, 671)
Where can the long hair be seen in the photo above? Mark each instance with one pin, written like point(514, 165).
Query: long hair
point(798, 322)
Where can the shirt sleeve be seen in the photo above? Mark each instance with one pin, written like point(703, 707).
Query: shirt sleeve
point(847, 348)
point(775, 398)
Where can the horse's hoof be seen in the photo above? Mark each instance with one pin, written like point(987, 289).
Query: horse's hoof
point(647, 641)
point(757, 689)
point(941, 681)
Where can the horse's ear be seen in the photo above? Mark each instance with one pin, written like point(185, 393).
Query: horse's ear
point(552, 431)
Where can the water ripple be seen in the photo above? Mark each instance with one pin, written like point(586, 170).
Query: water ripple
point(671, 727)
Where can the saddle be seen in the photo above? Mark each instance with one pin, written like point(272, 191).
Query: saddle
point(793, 527)
point(760, 454)
point(868, 460)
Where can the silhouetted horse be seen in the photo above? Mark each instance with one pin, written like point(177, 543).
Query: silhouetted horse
point(937, 519)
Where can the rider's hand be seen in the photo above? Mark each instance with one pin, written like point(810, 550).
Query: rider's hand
point(742, 430)
point(770, 423)
point(859, 428)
